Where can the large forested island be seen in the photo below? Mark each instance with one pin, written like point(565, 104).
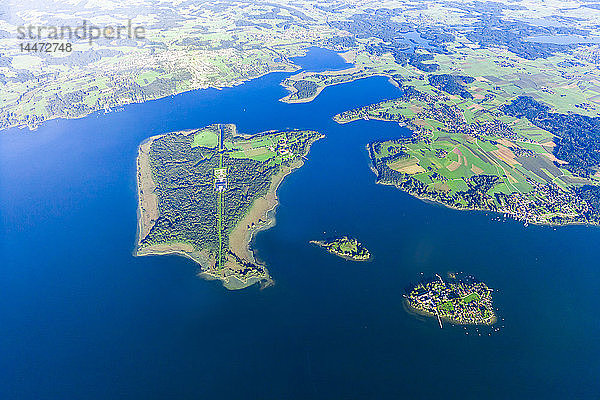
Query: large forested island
point(203, 193)
point(463, 301)
point(345, 247)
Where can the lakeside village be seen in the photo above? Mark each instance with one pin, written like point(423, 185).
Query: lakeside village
point(462, 301)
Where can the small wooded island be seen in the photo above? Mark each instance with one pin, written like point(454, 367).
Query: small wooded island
point(463, 301)
point(345, 247)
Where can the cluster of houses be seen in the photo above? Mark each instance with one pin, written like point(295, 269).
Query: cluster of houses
point(546, 203)
point(458, 301)
point(281, 147)
point(220, 179)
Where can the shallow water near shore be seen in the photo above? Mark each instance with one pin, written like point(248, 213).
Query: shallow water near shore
point(81, 317)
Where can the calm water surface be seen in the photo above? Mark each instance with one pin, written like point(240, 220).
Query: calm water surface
point(80, 318)
point(564, 39)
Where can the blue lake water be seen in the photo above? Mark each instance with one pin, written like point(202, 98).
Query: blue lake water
point(564, 39)
point(81, 318)
point(318, 59)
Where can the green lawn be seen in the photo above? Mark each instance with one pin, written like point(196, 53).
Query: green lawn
point(205, 138)
point(470, 298)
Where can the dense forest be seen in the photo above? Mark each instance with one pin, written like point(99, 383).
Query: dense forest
point(305, 89)
point(452, 84)
point(380, 25)
point(578, 140)
point(184, 178)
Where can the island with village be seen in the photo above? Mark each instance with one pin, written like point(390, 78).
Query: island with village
point(345, 247)
point(456, 299)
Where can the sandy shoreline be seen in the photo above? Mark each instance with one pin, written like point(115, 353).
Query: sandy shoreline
point(260, 216)
point(148, 203)
point(147, 199)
